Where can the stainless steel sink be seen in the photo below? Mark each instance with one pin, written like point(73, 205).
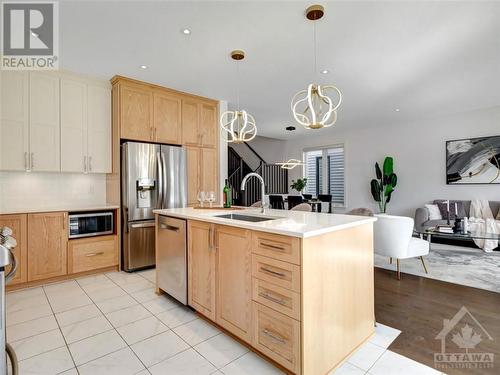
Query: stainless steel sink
point(247, 217)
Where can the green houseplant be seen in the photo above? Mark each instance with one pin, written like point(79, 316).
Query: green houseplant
point(383, 186)
point(299, 185)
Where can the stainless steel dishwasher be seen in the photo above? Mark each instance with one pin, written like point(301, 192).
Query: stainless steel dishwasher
point(171, 257)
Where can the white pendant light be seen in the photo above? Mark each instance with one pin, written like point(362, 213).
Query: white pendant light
point(238, 126)
point(316, 107)
point(290, 164)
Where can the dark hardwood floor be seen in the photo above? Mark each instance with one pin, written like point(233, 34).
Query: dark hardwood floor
point(417, 306)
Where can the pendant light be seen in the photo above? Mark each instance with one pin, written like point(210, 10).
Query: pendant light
point(290, 164)
point(314, 108)
point(238, 126)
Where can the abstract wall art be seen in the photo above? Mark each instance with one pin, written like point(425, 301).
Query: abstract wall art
point(473, 161)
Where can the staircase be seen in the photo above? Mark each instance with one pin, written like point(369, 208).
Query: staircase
point(275, 177)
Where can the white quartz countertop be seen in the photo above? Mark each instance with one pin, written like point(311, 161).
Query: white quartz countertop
point(289, 223)
point(75, 208)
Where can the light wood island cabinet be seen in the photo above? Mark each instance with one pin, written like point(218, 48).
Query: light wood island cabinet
point(306, 303)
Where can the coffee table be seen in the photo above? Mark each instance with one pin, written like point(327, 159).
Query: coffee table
point(430, 232)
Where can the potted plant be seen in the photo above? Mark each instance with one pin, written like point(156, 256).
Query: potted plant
point(299, 185)
point(383, 186)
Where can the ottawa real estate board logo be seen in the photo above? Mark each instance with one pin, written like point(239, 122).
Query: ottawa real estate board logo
point(464, 334)
point(30, 35)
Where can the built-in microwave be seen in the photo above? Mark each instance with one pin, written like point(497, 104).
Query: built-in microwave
point(89, 224)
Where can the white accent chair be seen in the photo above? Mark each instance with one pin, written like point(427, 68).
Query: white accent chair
point(302, 207)
point(393, 238)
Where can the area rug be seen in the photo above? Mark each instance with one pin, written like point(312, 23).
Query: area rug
point(455, 264)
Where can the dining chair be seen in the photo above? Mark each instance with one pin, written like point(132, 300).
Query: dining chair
point(307, 196)
point(294, 200)
point(325, 198)
point(393, 238)
point(302, 207)
point(360, 211)
point(276, 202)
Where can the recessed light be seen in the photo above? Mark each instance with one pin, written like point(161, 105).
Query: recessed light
point(290, 128)
point(325, 71)
point(397, 109)
point(186, 31)
point(143, 66)
point(34, 34)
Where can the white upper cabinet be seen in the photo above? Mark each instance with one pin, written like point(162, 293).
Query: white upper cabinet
point(14, 120)
point(44, 136)
point(54, 121)
point(99, 129)
point(73, 126)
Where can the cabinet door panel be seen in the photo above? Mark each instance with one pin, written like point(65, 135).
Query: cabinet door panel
point(234, 281)
point(136, 113)
point(47, 241)
point(201, 267)
point(14, 117)
point(190, 122)
point(73, 125)
point(193, 173)
point(44, 122)
point(18, 224)
point(99, 129)
point(208, 178)
point(167, 119)
point(208, 125)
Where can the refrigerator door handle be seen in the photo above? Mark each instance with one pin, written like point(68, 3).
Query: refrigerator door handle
point(164, 183)
point(160, 180)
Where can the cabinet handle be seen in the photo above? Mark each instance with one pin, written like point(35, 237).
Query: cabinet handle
point(274, 273)
point(90, 163)
point(85, 164)
point(274, 247)
point(279, 301)
point(94, 254)
point(26, 161)
point(169, 227)
point(32, 163)
point(275, 337)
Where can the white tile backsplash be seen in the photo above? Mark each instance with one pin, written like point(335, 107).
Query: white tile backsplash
point(21, 191)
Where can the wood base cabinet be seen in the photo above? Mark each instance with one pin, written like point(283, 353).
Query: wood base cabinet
point(19, 225)
point(305, 303)
point(86, 254)
point(47, 241)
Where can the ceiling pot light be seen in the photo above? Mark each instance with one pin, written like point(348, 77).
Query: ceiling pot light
point(325, 71)
point(186, 31)
point(143, 67)
point(397, 109)
point(290, 128)
point(238, 126)
point(290, 164)
point(316, 106)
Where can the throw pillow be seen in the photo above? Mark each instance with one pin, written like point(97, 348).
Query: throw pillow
point(460, 209)
point(434, 213)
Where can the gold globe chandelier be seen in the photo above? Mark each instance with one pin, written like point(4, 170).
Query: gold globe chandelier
point(238, 126)
point(316, 107)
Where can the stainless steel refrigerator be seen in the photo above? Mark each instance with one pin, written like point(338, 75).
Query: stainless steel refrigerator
point(153, 176)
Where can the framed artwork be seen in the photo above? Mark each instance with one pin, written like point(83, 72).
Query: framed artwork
point(473, 161)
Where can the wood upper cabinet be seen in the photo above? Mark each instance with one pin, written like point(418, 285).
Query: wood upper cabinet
point(193, 155)
point(14, 120)
point(136, 112)
point(44, 139)
point(234, 281)
point(47, 245)
point(167, 118)
point(208, 170)
point(19, 225)
point(201, 267)
point(199, 123)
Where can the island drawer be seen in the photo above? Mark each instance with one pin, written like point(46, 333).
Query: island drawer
point(280, 299)
point(277, 336)
point(275, 246)
point(86, 254)
point(283, 274)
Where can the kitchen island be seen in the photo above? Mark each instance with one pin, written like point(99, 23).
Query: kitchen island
point(295, 286)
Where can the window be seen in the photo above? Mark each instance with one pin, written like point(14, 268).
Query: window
point(332, 160)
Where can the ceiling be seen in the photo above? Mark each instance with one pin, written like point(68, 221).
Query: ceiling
point(425, 58)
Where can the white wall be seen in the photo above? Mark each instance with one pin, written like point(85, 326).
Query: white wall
point(418, 149)
point(22, 191)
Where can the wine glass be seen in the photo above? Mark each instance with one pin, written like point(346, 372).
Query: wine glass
point(201, 197)
point(211, 198)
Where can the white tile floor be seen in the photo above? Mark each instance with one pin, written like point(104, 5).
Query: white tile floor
point(114, 323)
